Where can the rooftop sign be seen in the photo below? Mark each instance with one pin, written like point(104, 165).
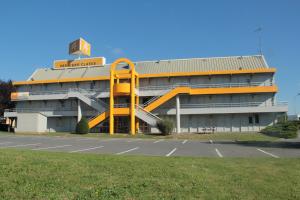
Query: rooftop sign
point(86, 62)
point(80, 47)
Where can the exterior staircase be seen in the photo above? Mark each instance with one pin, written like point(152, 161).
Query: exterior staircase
point(97, 104)
point(146, 116)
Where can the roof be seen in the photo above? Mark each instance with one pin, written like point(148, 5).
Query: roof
point(158, 67)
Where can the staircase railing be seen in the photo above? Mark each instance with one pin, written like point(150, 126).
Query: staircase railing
point(138, 107)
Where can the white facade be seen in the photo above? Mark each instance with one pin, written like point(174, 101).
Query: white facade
point(49, 107)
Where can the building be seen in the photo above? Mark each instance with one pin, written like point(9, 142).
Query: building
point(219, 94)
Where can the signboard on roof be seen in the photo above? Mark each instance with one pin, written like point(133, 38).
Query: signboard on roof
point(85, 62)
point(80, 47)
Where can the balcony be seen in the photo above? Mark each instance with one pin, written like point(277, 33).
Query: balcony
point(226, 108)
point(48, 112)
point(185, 109)
point(141, 91)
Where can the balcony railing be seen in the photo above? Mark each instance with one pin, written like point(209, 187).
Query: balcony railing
point(221, 85)
point(230, 105)
point(91, 92)
point(191, 106)
point(44, 109)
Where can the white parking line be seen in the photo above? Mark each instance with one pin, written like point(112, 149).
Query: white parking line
point(219, 154)
point(158, 141)
point(82, 139)
point(127, 151)
point(268, 153)
point(211, 141)
point(183, 142)
point(42, 148)
point(133, 140)
point(21, 145)
point(88, 149)
point(171, 152)
point(5, 142)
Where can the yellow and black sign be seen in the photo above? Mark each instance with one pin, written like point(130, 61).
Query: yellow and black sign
point(97, 61)
point(80, 47)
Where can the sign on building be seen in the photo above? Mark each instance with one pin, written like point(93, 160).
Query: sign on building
point(96, 61)
point(80, 47)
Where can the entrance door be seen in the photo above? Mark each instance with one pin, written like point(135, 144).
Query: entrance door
point(122, 124)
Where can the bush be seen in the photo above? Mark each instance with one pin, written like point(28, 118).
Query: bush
point(82, 126)
point(288, 129)
point(165, 126)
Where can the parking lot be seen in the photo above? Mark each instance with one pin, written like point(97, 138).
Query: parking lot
point(152, 147)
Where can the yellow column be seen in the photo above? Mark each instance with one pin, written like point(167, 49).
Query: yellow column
point(132, 100)
point(137, 102)
point(111, 103)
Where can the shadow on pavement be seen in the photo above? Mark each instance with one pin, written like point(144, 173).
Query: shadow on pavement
point(275, 144)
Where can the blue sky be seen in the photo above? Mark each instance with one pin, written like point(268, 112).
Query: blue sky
point(34, 33)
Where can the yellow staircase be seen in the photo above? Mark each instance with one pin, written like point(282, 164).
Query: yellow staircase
point(186, 90)
point(203, 91)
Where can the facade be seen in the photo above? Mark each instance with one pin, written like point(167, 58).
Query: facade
point(220, 94)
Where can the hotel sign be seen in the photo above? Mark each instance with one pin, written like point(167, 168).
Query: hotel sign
point(86, 62)
point(80, 47)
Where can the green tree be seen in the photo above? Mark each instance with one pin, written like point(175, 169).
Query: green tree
point(6, 88)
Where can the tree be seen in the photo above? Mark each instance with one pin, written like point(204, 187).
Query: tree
point(6, 88)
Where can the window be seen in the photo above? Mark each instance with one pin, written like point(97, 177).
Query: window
point(59, 122)
point(250, 118)
point(256, 119)
point(92, 85)
point(62, 103)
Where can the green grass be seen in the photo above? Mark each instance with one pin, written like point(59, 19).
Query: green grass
point(45, 175)
point(193, 136)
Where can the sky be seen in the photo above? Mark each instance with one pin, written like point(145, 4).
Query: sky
point(35, 33)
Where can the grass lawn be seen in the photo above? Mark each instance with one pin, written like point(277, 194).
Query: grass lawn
point(44, 175)
point(189, 136)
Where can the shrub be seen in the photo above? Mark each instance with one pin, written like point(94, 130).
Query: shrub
point(82, 126)
point(165, 126)
point(288, 129)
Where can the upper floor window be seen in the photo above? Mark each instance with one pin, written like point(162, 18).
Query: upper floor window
point(250, 120)
point(92, 85)
point(256, 119)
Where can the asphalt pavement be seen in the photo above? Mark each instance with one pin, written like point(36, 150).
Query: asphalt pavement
point(152, 147)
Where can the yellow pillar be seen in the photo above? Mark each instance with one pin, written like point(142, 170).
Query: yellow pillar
point(111, 103)
point(137, 102)
point(132, 100)
point(132, 95)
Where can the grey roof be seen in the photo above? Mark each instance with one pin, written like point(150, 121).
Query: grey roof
point(159, 66)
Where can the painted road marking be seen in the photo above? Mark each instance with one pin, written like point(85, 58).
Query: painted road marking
point(219, 154)
point(211, 141)
point(133, 140)
point(127, 151)
point(52, 147)
point(268, 153)
point(184, 141)
point(158, 141)
point(5, 142)
point(171, 152)
point(82, 139)
point(88, 149)
point(22, 145)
